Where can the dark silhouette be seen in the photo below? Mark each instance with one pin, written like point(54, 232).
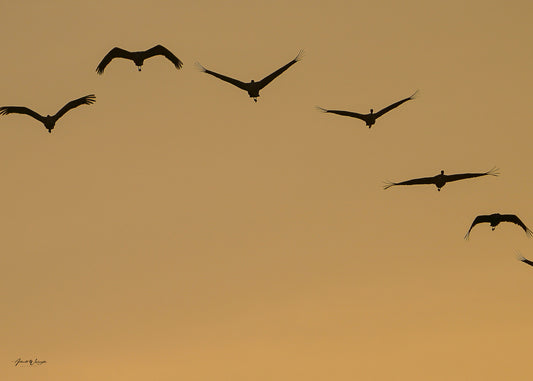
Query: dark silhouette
point(49, 121)
point(495, 219)
point(253, 87)
point(138, 57)
point(521, 258)
point(369, 119)
point(441, 179)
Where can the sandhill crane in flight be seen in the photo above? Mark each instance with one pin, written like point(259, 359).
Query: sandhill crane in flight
point(441, 179)
point(49, 121)
point(369, 119)
point(138, 57)
point(252, 87)
point(495, 219)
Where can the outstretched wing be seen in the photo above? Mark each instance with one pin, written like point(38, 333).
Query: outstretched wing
point(86, 100)
point(113, 53)
point(235, 82)
point(421, 180)
point(525, 260)
point(394, 105)
point(161, 50)
point(515, 220)
point(269, 78)
point(344, 113)
point(461, 176)
point(20, 110)
point(477, 220)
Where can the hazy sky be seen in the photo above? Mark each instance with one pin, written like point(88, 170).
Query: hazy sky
point(176, 230)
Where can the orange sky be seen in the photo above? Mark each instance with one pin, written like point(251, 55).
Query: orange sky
point(176, 230)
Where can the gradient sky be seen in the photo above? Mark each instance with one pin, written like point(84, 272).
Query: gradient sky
point(176, 230)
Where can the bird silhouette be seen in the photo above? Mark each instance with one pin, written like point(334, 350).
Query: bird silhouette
point(441, 179)
point(527, 261)
point(49, 121)
point(495, 219)
point(138, 57)
point(252, 87)
point(369, 119)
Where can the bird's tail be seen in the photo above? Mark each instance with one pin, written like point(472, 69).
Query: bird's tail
point(415, 95)
point(321, 109)
point(300, 55)
point(520, 257)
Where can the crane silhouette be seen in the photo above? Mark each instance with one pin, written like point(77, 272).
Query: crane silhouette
point(252, 87)
point(441, 179)
point(138, 57)
point(495, 219)
point(369, 119)
point(49, 121)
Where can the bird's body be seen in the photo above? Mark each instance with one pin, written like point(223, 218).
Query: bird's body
point(252, 87)
point(441, 179)
point(495, 219)
point(49, 121)
point(138, 57)
point(369, 119)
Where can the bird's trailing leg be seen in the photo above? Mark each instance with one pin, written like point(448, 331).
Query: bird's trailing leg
point(255, 100)
point(138, 67)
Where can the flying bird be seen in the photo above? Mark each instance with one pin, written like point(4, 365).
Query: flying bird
point(252, 87)
point(369, 119)
point(441, 179)
point(495, 219)
point(49, 121)
point(521, 258)
point(138, 57)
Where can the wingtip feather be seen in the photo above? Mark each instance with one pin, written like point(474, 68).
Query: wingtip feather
point(90, 99)
point(388, 184)
point(200, 67)
point(415, 95)
point(493, 171)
